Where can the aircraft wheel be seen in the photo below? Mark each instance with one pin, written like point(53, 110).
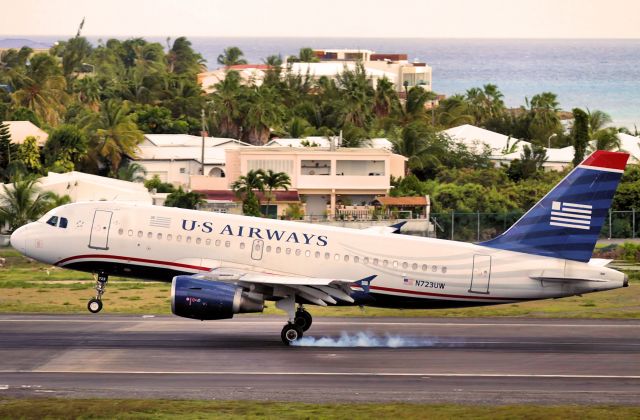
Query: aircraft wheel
point(290, 333)
point(94, 306)
point(303, 320)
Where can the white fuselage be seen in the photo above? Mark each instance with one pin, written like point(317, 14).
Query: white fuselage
point(134, 238)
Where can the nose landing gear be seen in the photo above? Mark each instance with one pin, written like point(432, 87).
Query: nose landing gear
point(95, 304)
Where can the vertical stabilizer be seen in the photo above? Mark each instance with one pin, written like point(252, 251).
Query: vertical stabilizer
point(567, 221)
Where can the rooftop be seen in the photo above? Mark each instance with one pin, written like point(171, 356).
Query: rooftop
point(20, 130)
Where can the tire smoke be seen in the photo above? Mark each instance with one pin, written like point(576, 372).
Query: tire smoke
point(364, 339)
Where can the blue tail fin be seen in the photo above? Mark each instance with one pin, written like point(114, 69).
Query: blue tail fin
point(566, 223)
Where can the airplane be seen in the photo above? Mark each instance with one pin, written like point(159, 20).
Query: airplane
point(220, 265)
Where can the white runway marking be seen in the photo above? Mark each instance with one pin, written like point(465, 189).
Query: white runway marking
point(377, 374)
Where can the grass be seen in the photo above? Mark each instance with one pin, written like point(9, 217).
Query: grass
point(30, 287)
point(165, 409)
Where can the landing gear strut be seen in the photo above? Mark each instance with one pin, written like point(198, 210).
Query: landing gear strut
point(299, 320)
point(95, 304)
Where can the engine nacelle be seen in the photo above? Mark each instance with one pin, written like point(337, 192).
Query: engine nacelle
point(207, 300)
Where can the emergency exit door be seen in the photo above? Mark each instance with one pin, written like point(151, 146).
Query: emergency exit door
point(99, 238)
point(480, 274)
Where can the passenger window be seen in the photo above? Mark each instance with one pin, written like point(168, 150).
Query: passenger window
point(159, 235)
point(395, 264)
point(346, 258)
point(227, 244)
point(150, 235)
point(327, 255)
point(179, 238)
point(278, 250)
point(120, 231)
point(337, 257)
point(414, 266)
point(208, 242)
point(198, 241)
point(63, 222)
point(307, 253)
point(405, 265)
point(241, 245)
point(317, 254)
point(288, 251)
point(53, 221)
point(385, 263)
point(366, 260)
point(188, 239)
point(424, 267)
point(268, 248)
point(140, 233)
point(375, 261)
point(356, 259)
point(444, 270)
point(169, 237)
point(298, 252)
point(217, 242)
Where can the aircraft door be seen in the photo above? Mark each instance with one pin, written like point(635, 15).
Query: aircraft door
point(256, 249)
point(99, 238)
point(480, 274)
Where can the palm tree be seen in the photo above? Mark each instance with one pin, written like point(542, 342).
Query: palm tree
point(132, 172)
point(113, 134)
point(262, 112)
point(226, 104)
point(23, 202)
point(544, 108)
point(273, 181)
point(88, 92)
point(605, 139)
point(454, 111)
point(385, 99)
point(45, 98)
point(597, 121)
point(244, 188)
point(231, 57)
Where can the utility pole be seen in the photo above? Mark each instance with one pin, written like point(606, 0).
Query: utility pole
point(202, 154)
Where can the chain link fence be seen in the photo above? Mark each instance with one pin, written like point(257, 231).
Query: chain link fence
point(476, 227)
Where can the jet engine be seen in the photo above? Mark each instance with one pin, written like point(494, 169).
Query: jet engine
point(207, 300)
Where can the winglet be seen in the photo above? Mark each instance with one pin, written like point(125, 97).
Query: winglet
point(396, 228)
point(365, 282)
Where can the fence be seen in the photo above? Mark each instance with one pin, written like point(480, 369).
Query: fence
point(474, 227)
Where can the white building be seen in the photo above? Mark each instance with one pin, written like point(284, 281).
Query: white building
point(20, 130)
point(476, 138)
point(176, 157)
point(319, 141)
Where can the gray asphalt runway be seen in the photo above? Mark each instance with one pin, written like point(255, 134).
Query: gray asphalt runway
point(430, 360)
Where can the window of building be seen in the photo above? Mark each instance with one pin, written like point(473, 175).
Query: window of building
point(360, 167)
point(183, 170)
point(315, 167)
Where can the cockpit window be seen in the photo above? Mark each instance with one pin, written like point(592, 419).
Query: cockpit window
point(63, 222)
point(60, 222)
point(53, 221)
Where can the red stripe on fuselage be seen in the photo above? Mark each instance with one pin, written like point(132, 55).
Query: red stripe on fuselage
point(142, 260)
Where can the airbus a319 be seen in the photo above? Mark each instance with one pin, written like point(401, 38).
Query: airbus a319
point(220, 265)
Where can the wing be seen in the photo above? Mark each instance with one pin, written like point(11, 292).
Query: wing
point(384, 230)
point(318, 291)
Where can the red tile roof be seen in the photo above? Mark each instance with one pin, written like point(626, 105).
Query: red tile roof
point(228, 195)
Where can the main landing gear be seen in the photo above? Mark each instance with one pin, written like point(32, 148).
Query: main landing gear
point(299, 320)
point(95, 304)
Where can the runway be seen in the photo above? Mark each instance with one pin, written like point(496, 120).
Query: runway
point(497, 361)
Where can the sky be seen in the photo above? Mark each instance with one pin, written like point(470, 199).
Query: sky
point(325, 18)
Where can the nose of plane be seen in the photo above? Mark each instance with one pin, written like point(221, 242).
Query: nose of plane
point(19, 239)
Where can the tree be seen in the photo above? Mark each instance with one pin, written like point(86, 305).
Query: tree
point(262, 111)
point(544, 107)
point(29, 154)
point(529, 165)
point(160, 187)
point(8, 151)
point(273, 181)
point(186, 200)
point(580, 134)
point(385, 98)
point(23, 202)
point(231, 57)
point(132, 172)
point(226, 104)
point(244, 188)
point(183, 59)
point(65, 148)
point(113, 134)
point(305, 55)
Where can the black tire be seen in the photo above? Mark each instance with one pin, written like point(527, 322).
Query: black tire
point(94, 306)
point(290, 333)
point(303, 320)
